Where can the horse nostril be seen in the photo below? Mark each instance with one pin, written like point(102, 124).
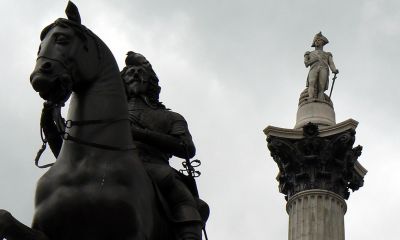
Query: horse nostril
point(46, 67)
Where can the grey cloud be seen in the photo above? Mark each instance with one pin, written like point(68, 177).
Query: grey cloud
point(231, 68)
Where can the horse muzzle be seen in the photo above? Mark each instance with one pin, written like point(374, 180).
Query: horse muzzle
point(51, 80)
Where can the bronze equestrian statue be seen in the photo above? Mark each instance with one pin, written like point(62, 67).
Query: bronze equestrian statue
point(98, 188)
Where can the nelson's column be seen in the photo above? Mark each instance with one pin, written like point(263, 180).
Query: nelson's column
point(317, 161)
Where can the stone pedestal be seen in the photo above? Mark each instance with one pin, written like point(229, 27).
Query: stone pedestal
point(317, 111)
point(316, 215)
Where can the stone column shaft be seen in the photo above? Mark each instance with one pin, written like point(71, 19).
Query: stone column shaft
point(316, 215)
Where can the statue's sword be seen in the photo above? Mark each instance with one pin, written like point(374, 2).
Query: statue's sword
point(333, 84)
point(192, 173)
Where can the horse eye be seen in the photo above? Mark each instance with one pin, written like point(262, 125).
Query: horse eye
point(61, 39)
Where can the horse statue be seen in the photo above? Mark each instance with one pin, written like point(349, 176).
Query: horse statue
point(98, 187)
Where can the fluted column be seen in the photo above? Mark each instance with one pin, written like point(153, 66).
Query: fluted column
point(316, 215)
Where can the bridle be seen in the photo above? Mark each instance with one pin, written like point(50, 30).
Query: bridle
point(60, 122)
point(62, 125)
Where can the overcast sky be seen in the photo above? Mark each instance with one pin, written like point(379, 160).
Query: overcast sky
point(231, 68)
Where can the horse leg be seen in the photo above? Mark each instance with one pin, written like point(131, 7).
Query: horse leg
point(12, 229)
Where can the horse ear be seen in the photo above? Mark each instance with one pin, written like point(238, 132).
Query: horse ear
point(73, 12)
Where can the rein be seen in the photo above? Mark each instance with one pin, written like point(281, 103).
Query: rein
point(70, 124)
point(62, 125)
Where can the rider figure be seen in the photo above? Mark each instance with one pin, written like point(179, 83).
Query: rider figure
point(159, 134)
point(319, 62)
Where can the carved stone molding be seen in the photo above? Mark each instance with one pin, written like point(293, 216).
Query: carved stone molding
point(317, 162)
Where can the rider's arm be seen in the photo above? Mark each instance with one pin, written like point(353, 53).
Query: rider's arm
point(332, 64)
point(307, 58)
point(178, 141)
point(308, 61)
point(50, 130)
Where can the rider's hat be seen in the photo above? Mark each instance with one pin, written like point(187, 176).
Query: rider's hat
point(319, 36)
point(135, 59)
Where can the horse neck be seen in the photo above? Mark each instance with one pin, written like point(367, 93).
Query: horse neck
point(103, 99)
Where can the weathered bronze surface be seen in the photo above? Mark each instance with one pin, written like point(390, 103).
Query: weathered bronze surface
point(98, 187)
point(159, 134)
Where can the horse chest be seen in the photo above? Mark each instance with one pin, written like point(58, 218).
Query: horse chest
point(68, 197)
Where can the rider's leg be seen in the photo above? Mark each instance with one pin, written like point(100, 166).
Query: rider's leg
point(183, 208)
point(322, 81)
point(312, 79)
point(186, 217)
point(180, 199)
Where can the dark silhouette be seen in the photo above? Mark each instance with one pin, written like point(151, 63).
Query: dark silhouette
point(159, 134)
point(98, 187)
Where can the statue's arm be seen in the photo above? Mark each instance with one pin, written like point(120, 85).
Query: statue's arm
point(54, 139)
point(308, 61)
point(180, 130)
point(332, 64)
point(177, 142)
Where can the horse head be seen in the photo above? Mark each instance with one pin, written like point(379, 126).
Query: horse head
point(68, 58)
